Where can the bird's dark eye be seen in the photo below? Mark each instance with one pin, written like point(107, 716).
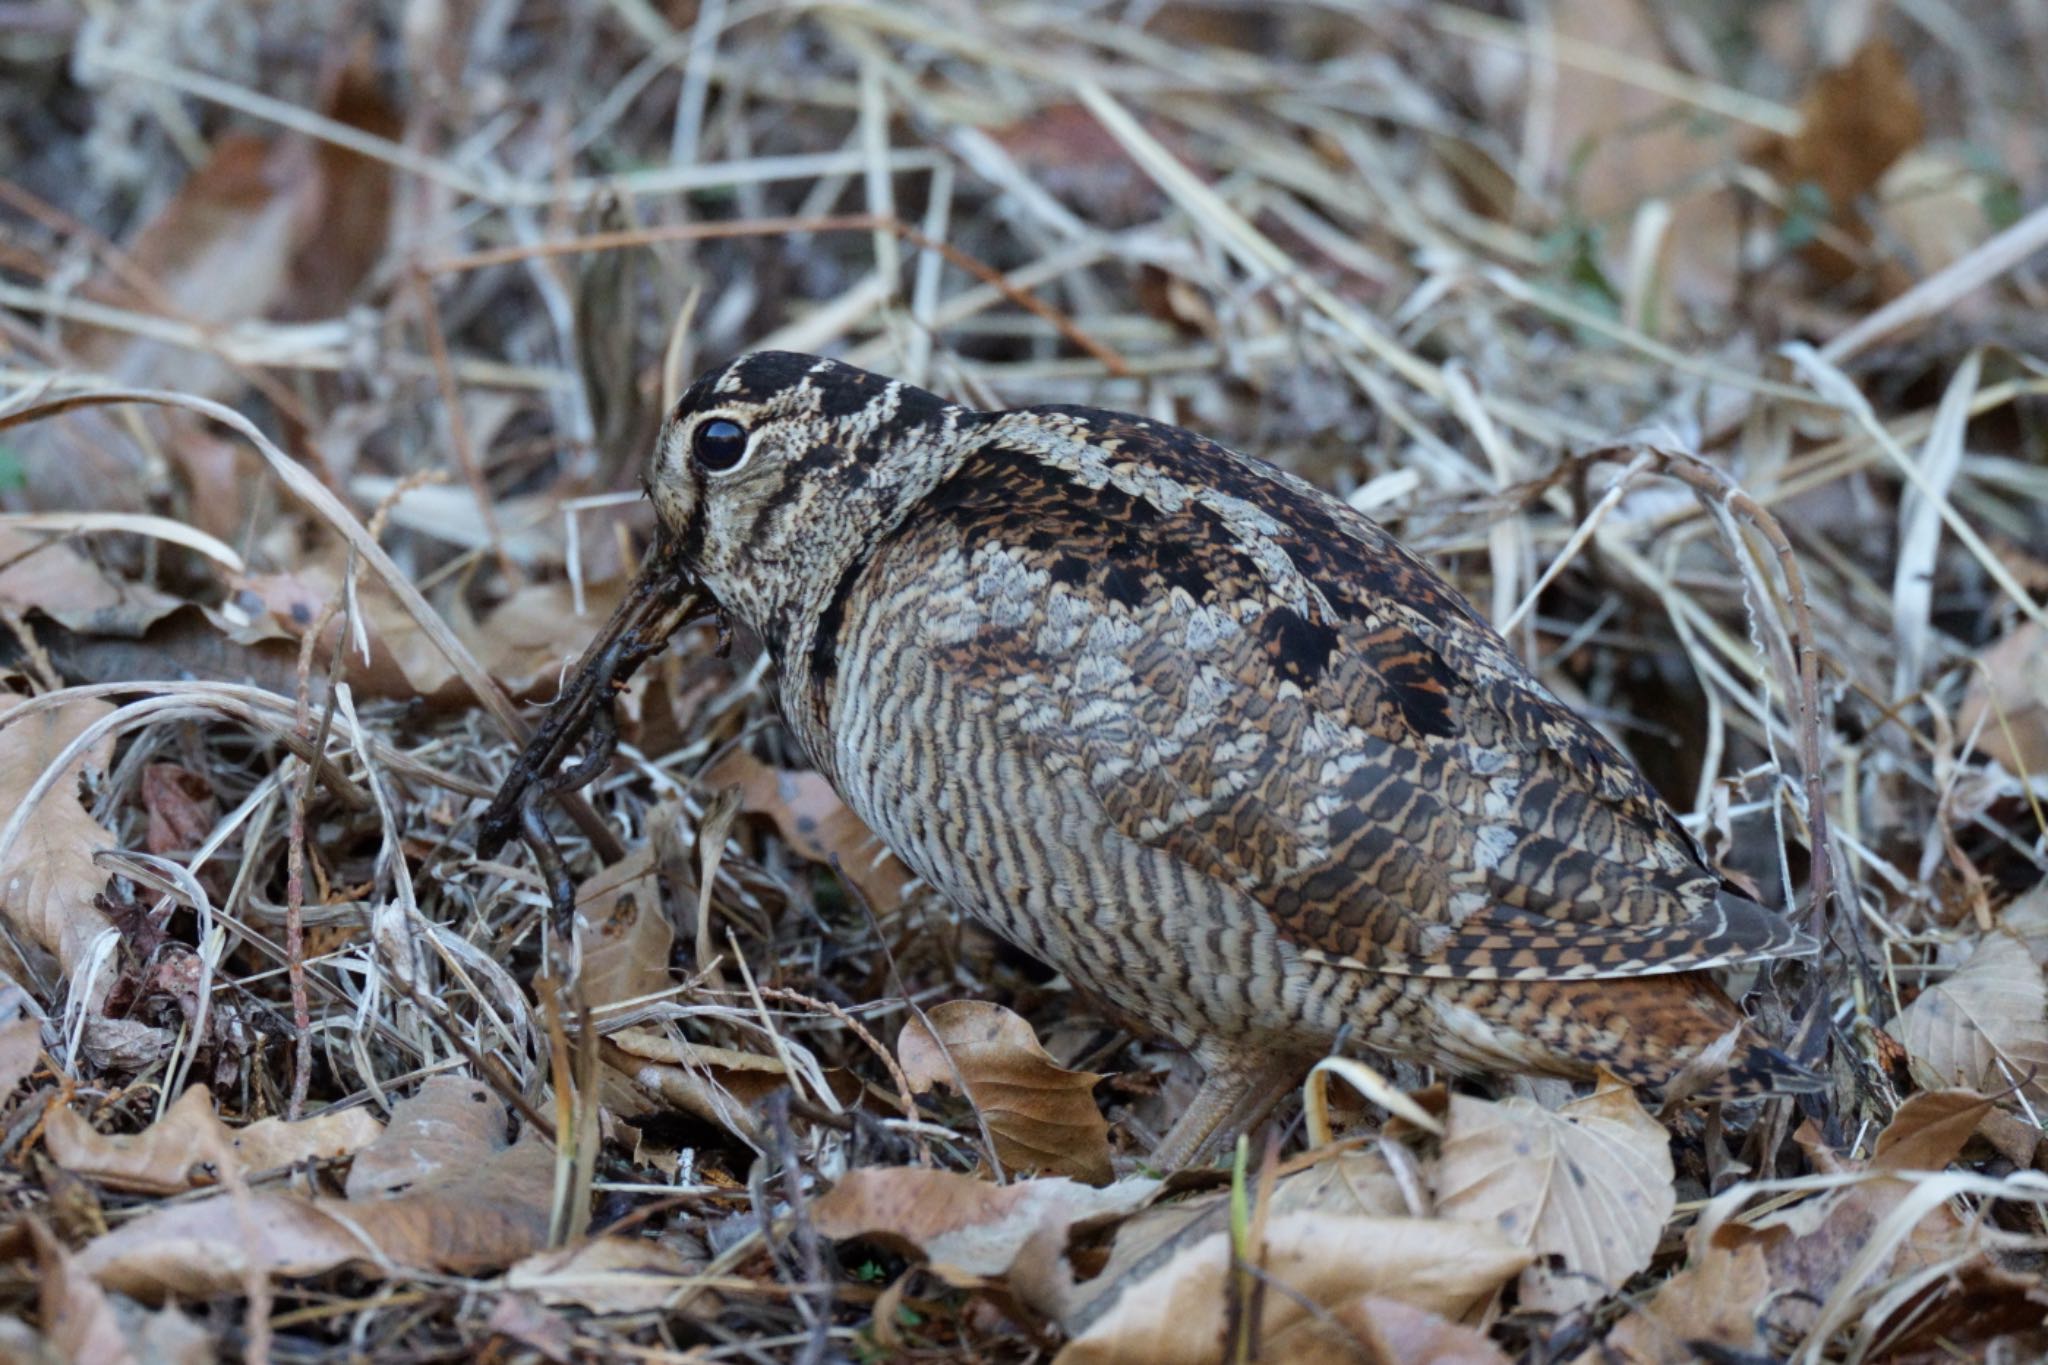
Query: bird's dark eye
point(719, 444)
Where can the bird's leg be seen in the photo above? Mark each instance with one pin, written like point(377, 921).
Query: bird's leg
point(1236, 1093)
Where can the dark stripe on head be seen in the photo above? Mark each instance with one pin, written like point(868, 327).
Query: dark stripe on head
point(747, 379)
point(758, 377)
point(690, 544)
point(825, 644)
point(697, 395)
point(843, 390)
point(916, 408)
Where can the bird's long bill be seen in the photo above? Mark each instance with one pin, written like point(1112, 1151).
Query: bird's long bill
point(661, 599)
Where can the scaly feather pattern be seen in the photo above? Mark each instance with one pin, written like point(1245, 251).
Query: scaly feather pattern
point(1200, 735)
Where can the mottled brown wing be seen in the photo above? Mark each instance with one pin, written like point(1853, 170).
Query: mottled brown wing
point(1256, 678)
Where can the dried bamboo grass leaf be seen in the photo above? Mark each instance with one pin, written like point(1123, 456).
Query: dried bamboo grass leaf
point(1920, 527)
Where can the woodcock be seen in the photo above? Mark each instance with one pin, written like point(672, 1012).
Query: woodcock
point(1203, 738)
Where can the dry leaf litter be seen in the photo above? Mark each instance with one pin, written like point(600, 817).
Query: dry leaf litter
point(1702, 347)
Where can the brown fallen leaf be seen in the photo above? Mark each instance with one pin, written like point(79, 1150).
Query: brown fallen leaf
point(181, 1150)
point(526, 642)
point(471, 1220)
point(1928, 1130)
point(1855, 121)
point(1711, 1305)
point(1620, 146)
point(529, 640)
point(627, 936)
point(1042, 1116)
point(216, 476)
point(450, 1124)
point(533, 1325)
point(264, 227)
point(1985, 1026)
point(48, 880)
point(198, 1249)
point(216, 253)
point(1977, 1304)
point(2026, 919)
point(607, 1275)
point(440, 1192)
point(959, 1223)
point(186, 643)
point(1389, 1331)
point(48, 574)
point(273, 1143)
point(181, 807)
point(126, 1045)
point(402, 663)
point(76, 1312)
point(1049, 1276)
point(354, 192)
point(1808, 1245)
point(1065, 149)
point(1590, 1183)
point(1933, 203)
point(722, 1086)
point(2006, 703)
point(1310, 1261)
point(816, 823)
point(21, 1050)
point(84, 1323)
point(1359, 1182)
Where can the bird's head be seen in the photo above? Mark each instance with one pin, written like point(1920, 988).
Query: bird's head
point(777, 470)
point(774, 474)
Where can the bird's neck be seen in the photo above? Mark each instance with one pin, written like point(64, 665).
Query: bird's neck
point(838, 537)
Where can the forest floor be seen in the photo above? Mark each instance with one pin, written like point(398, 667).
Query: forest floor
point(1704, 347)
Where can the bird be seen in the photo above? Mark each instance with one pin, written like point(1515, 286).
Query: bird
point(1206, 740)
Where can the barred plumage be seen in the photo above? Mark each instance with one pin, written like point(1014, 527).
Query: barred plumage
point(1202, 737)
